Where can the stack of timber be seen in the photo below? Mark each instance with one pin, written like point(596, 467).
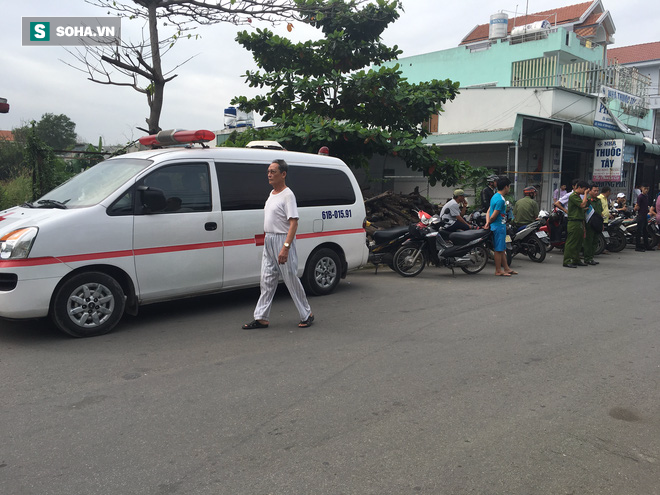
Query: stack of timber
point(389, 209)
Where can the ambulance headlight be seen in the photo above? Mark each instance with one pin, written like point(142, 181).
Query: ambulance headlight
point(17, 244)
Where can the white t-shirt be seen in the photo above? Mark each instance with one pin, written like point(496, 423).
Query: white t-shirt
point(450, 212)
point(564, 202)
point(278, 210)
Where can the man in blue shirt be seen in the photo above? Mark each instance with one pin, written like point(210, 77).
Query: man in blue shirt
point(496, 221)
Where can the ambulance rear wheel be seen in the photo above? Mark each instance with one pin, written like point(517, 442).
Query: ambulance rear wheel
point(88, 304)
point(322, 272)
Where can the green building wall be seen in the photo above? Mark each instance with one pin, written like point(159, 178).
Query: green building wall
point(493, 65)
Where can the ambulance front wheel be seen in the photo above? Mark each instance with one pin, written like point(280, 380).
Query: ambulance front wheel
point(88, 304)
point(322, 272)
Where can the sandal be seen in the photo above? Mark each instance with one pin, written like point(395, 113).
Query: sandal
point(306, 323)
point(254, 324)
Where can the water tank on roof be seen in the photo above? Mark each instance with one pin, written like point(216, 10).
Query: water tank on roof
point(237, 118)
point(499, 26)
point(244, 119)
point(230, 117)
point(533, 27)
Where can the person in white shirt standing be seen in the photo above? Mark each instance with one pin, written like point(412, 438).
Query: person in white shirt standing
point(280, 257)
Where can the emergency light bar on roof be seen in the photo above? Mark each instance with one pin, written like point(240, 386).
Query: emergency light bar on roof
point(173, 137)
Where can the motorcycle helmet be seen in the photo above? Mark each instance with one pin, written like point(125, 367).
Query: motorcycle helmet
point(530, 191)
point(492, 178)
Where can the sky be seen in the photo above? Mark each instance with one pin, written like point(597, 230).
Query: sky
point(36, 80)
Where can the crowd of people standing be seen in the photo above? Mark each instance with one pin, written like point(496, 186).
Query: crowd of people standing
point(586, 200)
point(587, 210)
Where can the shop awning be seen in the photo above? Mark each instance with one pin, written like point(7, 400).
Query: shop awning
point(652, 149)
point(598, 133)
point(501, 136)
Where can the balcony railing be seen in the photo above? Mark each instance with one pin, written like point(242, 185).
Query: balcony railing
point(586, 77)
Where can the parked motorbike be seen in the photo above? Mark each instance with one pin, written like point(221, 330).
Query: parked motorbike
point(617, 236)
point(529, 240)
point(555, 226)
point(601, 242)
point(477, 220)
point(386, 242)
point(465, 250)
point(652, 233)
point(555, 229)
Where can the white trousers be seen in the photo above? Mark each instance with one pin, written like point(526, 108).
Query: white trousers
point(271, 271)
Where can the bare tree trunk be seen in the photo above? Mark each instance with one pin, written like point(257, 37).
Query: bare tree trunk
point(155, 96)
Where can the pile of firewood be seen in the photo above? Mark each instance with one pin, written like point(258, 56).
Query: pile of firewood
point(390, 210)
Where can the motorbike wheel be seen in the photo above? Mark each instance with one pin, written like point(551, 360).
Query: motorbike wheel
point(652, 240)
point(536, 250)
point(617, 242)
point(509, 256)
point(479, 257)
point(405, 263)
point(600, 244)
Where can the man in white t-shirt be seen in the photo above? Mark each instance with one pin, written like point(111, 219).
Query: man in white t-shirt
point(280, 257)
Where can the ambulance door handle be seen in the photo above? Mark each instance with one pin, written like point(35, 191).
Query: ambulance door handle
point(211, 226)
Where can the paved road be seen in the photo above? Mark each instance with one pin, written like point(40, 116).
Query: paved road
point(544, 383)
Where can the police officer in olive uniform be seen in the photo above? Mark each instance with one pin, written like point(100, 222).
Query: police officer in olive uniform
point(576, 209)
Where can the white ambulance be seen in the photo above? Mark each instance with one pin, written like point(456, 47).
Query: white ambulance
point(168, 223)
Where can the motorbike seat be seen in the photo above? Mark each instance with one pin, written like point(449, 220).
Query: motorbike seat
point(465, 236)
point(381, 236)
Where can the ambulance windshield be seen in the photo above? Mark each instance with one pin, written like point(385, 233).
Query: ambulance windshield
point(92, 186)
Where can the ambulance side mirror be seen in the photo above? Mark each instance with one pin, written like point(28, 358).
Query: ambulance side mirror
point(152, 199)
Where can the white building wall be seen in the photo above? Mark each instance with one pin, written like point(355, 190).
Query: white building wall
point(487, 109)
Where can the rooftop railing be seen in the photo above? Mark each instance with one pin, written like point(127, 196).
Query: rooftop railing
point(586, 77)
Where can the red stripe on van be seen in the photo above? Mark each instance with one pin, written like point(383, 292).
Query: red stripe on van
point(155, 250)
point(238, 242)
point(332, 232)
point(94, 256)
point(28, 262)
point(174, 249)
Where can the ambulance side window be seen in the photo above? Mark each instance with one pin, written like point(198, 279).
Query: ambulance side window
point(123, 206)
point(244, 186)
point(319, 186)
point(186, 187)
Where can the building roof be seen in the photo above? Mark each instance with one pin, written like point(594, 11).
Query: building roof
point(6, 136)
point(635, 53)
point(585, 32)
point(571, 15)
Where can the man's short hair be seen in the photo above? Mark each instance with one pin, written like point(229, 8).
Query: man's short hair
point(582, 183)
point(282, 165)
point(502, 182)
point(574, 182)
point(644, 185)
point(605, 189)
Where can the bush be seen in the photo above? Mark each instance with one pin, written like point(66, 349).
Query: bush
point(11, 159)
point(15, 192)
